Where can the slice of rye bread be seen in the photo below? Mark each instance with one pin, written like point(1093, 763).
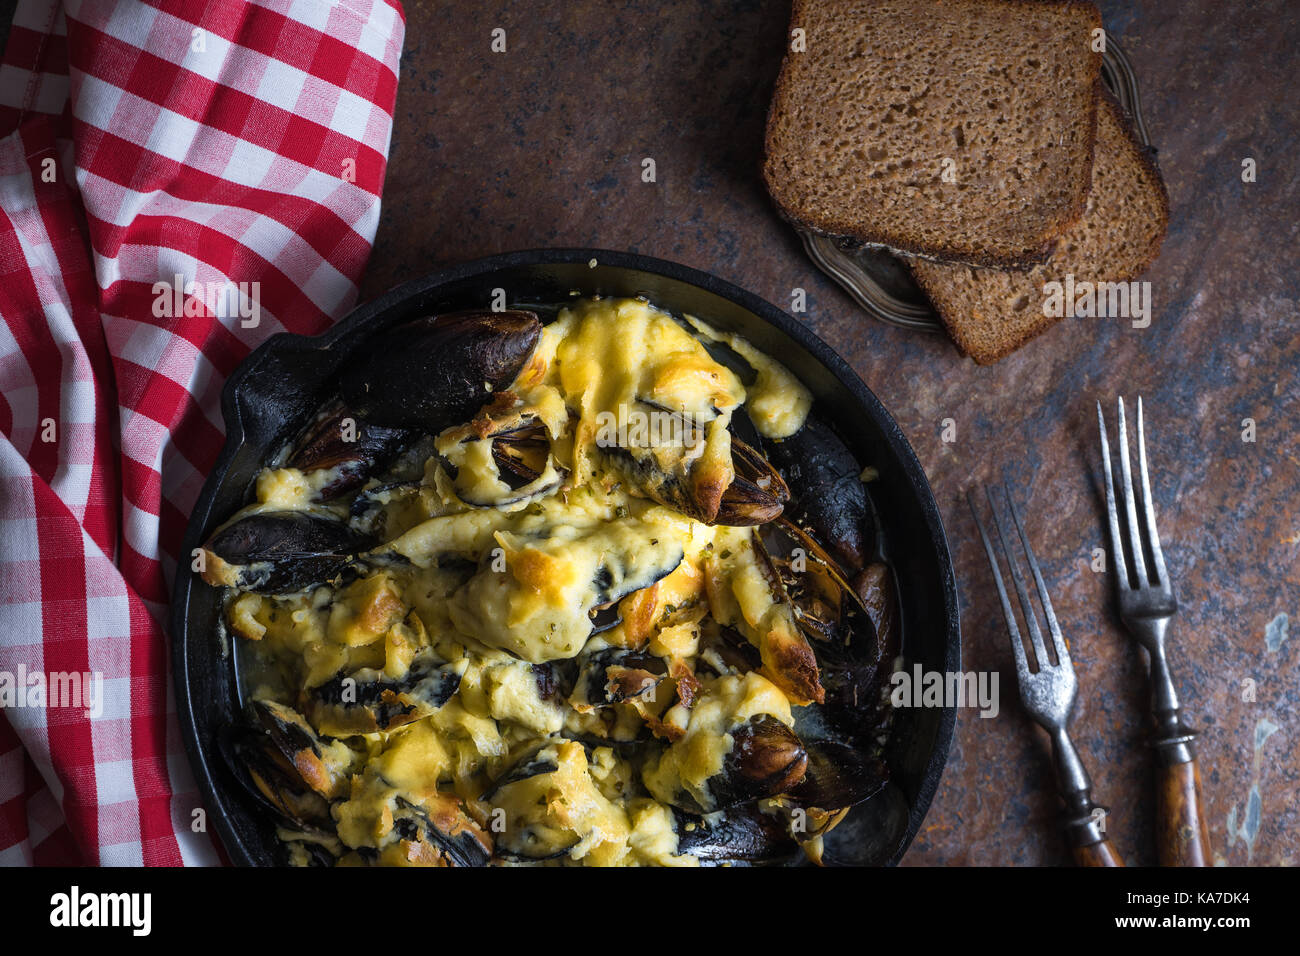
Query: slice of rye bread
point(861, 124)
point(992, 312)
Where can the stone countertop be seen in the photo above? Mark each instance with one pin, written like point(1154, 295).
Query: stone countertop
point(543, 146)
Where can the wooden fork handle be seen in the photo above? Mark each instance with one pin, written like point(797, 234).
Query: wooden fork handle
point(1085, 832)
point(1182, 833)
point(1098, 854)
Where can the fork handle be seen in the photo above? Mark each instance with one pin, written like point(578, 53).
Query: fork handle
point(1182, 832)
point(1098, 854)
point(1085, 831)
point(1085, 820)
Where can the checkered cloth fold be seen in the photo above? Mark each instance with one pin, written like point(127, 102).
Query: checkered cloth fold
point(179, 180)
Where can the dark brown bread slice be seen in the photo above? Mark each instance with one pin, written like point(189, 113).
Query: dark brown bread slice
point(887, 90)
point(992, 312)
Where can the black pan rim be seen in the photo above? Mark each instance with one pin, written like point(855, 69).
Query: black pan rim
point(235, 437)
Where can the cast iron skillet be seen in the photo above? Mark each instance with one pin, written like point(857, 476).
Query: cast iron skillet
point(280, 385)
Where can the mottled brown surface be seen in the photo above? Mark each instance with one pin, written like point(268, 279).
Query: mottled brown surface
point(543, 145)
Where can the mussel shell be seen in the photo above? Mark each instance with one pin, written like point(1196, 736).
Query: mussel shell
point(757, 494)
point(319, 856)
point(286, 551)
point(733, 649)
point(766, 758)
point(322, 769)
point(372, 702)
point(521, 445)
point(671, 490)
point(854, 674)
point(285, 765)
point(608, 592)
point(287, 729)
point(533, 491)
point(520, 845)
point(521, 453)
point(509, 855)
point(823, 600)
point(853, 706)
point(454, 837)
point(616, 675)
point(368, 511)
point(523, 769)
point(520, 461)
point(269, 778)
point(323, 445)
point(826, 492)
point(372, 498)
point(605, 618)
point(316, 852)
point(839, 776)
point(742, 834)
point(874, 587)
point(436, 372)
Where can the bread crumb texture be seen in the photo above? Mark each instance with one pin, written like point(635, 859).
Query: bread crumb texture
point(955, 129)
point(992, 312)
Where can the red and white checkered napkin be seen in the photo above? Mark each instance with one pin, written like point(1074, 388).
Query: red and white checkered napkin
point(224, 142)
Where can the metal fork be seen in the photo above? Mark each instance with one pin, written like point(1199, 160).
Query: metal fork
point(1146, 603)
point(1048, 693)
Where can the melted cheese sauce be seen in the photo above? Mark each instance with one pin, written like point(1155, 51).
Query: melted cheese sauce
point(777, 402)
point(617, 359)
point(698, 755)
point(494, 587)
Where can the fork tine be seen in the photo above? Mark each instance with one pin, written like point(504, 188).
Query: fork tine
point(1058, 642)
point(1130, 503)
point(1026, 605)
point(1017, 645)
point(1148, 506)
point(1112, 513)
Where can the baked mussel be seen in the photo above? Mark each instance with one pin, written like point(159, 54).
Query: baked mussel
point(522, 594)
